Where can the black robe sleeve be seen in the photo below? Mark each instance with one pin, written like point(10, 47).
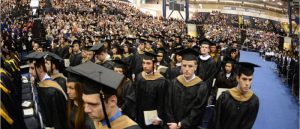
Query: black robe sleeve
point(128, 97)
point(62, 83)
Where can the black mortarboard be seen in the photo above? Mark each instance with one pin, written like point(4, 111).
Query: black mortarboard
point(190, 40)
point(161, 50)
point(37, 56)
point(213, 44)
point(97, 48)
point(120, 64)
point(143, 39)
point(53, 56)
point(196, 47)
point(75, 42)
point(233, 50)
point(150, 56)
point(97, 77)
point(71, 77)
point(205, 41)
point(189, 54)
point(87, 48)
point(178, 48)
point(246, 68)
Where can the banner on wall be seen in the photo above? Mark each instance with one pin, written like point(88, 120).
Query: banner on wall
point(192, 30)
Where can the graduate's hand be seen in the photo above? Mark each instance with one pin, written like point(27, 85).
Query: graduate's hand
point(172, 125)
point(156, 122)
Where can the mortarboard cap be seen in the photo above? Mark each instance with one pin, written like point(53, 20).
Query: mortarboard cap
point(189, 54)
point(233, 50)
point(87, 48)
point(150, 56)
point(53, 56)
point(97, 48)
point(71, 77)
point(143, 39)
point(178, 48)
point(75, 42)
point(190, 40)
point(120, 64)
point(196, 47)
point(37, 56)
point(97, 77)
point(246, 68)
point(161, 50)
point(205, 41)
point(213, 44)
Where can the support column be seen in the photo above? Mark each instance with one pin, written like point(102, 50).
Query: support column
point(164, 8)
point(187, 11)
point(290, 17)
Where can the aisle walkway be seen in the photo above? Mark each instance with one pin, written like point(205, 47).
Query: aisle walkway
point(278, 109)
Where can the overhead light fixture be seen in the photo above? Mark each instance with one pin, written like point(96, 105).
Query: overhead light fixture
point(264, 0)
point(273, 0)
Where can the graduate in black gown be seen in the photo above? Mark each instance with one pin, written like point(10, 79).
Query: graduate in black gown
point(237, 108)
point(174, 69)
point(126, 91)
point(215, 54)
point(207, 66)
point(63, 49)
point(227, 76)
point(102, 56)
point(75, 57)
point(99, 96)
point(137, 59)
point(51, 97)
point(55, 66)
point(187, 95)
point(150, 90)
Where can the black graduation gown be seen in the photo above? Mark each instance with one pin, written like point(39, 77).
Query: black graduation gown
point(173, 72)
point(126, 99)
point(107, 64)
point(186, 102)
point(207, 70)
point(223, 82)
point(122, 122)
point(230, 113)
point(150, 94)
point(11, 108)
point(52, 103)
point(136, 63)
point(63, 52)
point(75, 59)
point(89, 124)
point(62, 83)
